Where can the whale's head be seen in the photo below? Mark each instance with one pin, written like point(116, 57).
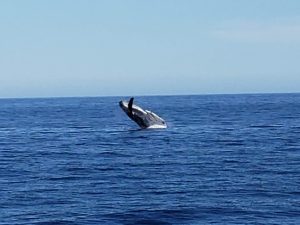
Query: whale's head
point(124, 106)
point(136, 110)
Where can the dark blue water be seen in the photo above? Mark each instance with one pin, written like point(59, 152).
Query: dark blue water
point(225, 159)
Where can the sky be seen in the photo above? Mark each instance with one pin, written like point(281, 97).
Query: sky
point(65, 48)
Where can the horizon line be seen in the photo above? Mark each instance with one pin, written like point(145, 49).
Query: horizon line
point(148, 95)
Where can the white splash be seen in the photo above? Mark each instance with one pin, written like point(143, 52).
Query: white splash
point(157, 126)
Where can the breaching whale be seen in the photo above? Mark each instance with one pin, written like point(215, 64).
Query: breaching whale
point(144, 118)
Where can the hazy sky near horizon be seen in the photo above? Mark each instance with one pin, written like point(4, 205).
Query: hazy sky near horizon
point(138, 47)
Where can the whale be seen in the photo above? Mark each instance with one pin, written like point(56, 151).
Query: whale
point(144, 118)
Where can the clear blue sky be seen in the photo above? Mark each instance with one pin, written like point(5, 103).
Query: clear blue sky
point(139, 47)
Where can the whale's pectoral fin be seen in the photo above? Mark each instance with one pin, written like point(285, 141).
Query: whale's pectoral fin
point(130, 105)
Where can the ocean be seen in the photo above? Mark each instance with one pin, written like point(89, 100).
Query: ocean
point(224, 159)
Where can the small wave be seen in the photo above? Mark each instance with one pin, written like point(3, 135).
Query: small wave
point(159, 217)
point(65, 178)
point(56, 222)
point(266, 126)
point(112, 154)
